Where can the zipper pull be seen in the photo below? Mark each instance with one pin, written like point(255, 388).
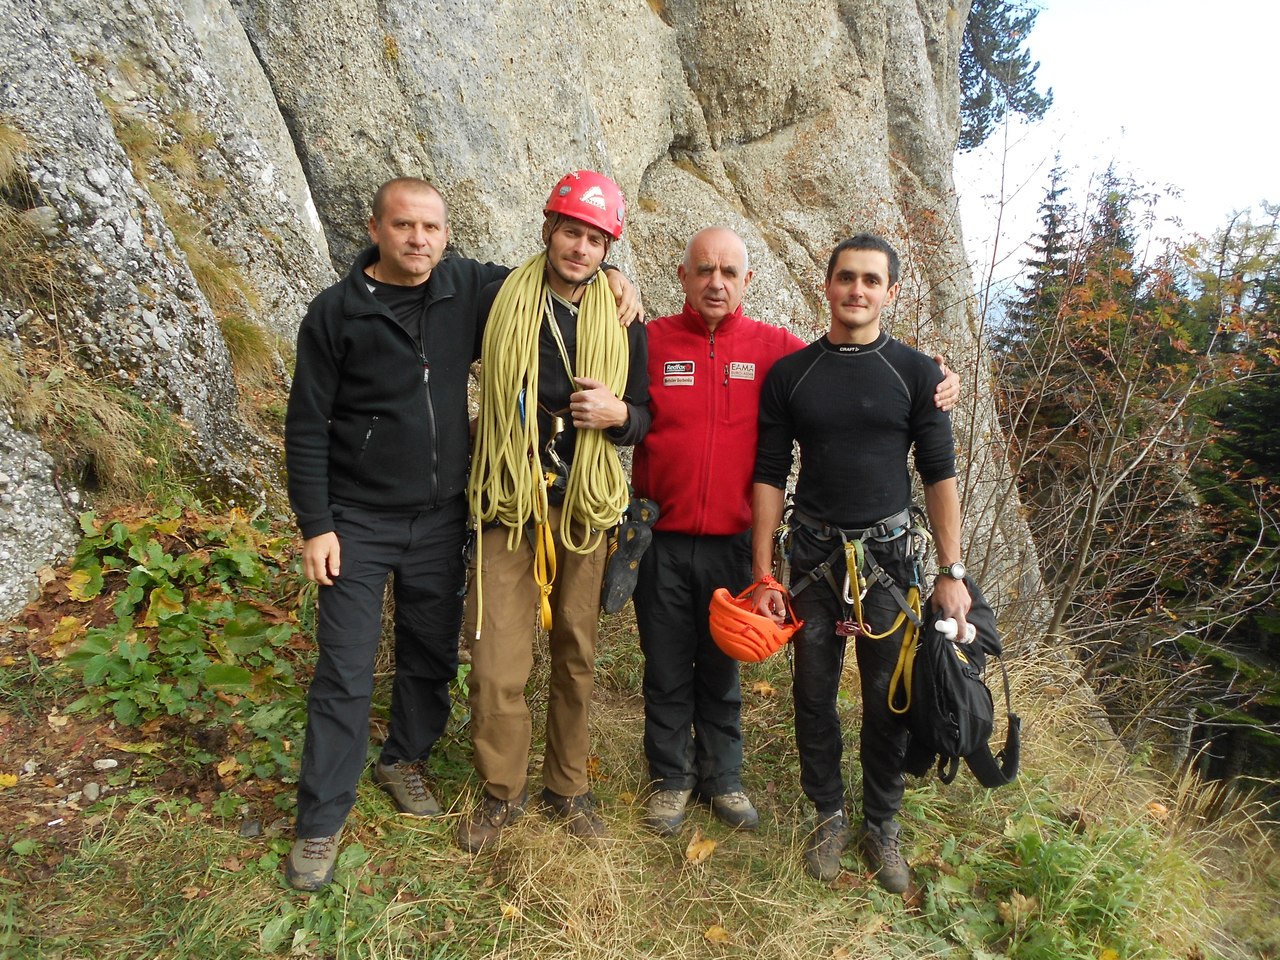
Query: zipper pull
point(726, 374)
point(426, 371)
point(713, 346)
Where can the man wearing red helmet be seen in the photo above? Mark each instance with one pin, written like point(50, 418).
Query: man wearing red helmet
point(562, 386)
point(707, 365)
point(376, 445)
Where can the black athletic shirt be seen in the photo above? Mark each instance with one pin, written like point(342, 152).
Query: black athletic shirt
point(856, 411)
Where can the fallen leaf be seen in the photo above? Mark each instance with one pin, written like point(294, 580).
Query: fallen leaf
point(195, 893)
point(716, 934)
point(8, 780)
point(1108, 954)
point(231, 865)
point(840, 953)
point(56, 720)
point(593, 768)
point(762, 688)
point(229, 767)
point(1158, 810)
point(700, 847)
point(511, 912)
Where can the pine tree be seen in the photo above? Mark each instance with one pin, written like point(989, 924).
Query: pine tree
point(997, 76)
point(1047, 271)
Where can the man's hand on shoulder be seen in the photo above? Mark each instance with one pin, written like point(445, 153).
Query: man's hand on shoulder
point(947, 392)
point(321, 558)
point(628, 297)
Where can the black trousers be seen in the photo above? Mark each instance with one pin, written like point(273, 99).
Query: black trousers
point(424, 552)
point(692, 701)
point(819, 658)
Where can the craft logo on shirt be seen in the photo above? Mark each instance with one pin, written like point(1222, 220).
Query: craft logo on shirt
point(594, 196)
point(742, 371)
point(677, 373)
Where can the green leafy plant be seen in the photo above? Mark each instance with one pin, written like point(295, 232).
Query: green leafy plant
point(197, 631)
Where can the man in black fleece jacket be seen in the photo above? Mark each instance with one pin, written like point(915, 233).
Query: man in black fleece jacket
point(376, 443)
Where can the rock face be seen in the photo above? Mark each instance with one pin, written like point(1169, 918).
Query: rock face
point(264, 126)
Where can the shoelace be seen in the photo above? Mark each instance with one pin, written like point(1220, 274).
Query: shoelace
point(495, 810)
point(734, 798)
point(414, 784)
point(888, 845)
point(316, 848)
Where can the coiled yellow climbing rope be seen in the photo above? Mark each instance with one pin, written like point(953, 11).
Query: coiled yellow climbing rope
point(507, 484)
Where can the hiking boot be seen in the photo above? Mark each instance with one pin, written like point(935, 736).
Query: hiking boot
point(577, 813)
point(407, 789)
point(482, 825)
point(735, 809)
point(309, 866)
point(665, 811)
point(823, 848)
point(880, 849)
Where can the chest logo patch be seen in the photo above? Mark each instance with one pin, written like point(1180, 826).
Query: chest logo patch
point(742, 371)
point(677, 373)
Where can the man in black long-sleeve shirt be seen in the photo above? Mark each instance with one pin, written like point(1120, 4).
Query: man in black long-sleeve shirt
point(857, 402)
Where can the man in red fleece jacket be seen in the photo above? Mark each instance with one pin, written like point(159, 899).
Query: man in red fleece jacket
point(706, 367)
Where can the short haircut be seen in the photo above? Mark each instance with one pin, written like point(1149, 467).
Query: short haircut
point(406, 183)
point(865, 241)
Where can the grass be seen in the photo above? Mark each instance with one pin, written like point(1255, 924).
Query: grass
point(109, 440)
point(1087, 855)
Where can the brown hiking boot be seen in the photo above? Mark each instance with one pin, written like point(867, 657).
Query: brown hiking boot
point(309, 866)
point(407, 789)
point(577, 813)
point(823, 848)
point(880, 849)
point(482, 825)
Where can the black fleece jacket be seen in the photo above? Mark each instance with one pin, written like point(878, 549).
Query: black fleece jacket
point(371, 422)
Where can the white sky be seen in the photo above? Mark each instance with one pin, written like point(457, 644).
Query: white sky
point(1177, 93)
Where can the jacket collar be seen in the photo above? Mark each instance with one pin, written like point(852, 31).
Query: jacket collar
point(440, 285)
point(693, 320)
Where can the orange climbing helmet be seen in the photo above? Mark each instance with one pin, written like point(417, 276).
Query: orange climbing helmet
point(590, 197)
point(744, 634)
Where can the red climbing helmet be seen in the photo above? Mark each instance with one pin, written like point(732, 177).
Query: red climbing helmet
point(590, 197)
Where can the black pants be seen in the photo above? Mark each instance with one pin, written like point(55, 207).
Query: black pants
point(692, 701)
point(819, 657)
point(424, 552)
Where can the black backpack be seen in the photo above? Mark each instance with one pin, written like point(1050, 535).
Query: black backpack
point(951, 713)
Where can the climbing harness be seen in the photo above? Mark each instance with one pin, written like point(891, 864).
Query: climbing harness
point(861, 569)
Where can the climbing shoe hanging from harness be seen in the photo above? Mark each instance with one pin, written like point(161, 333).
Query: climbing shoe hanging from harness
point(627, 544)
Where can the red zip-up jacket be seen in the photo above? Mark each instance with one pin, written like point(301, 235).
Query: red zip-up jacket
point(704, 389)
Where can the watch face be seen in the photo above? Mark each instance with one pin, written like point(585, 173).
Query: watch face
point(956, 571)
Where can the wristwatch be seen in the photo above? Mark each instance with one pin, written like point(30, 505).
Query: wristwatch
point(955, 571)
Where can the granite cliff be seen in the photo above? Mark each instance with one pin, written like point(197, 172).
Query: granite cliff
point(191, 172)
